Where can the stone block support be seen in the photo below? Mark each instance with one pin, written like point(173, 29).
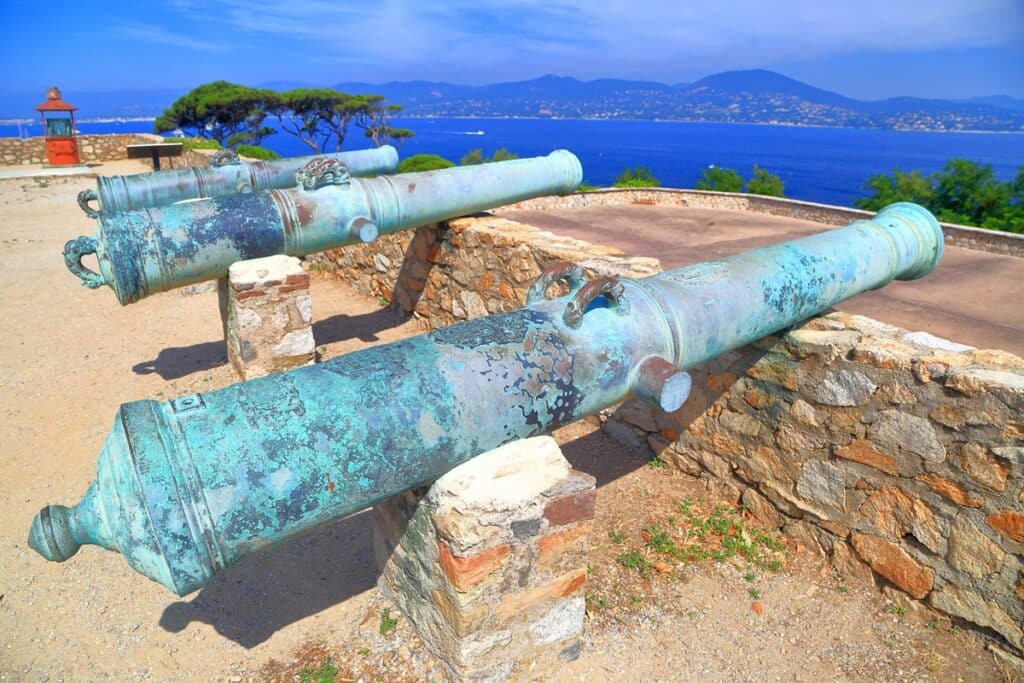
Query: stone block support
point(267, 313)
point(488, 564)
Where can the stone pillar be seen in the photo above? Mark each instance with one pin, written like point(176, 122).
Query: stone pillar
point(488, 564)
point(268, 316)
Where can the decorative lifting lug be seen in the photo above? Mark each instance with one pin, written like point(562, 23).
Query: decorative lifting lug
point(225, 157)
point(320, 172)
point(607, 286)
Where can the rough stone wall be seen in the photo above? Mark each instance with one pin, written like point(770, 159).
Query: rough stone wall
point(468, 267)
point(994, 241)
point(91, 148)
point(898, 455)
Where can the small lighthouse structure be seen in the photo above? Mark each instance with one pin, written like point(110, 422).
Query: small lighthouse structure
point(59, 129)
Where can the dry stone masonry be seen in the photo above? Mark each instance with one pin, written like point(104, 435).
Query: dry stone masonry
point(898, 455)
point(489, 563)
point(92, 148)
point(468, 267)
point(268, 316)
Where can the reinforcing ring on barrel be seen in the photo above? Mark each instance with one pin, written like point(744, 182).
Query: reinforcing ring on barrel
point(562, 271)
point(322, 171)
point(86, 196)
point(608, 287)
point(73, 253)
point(225, 157)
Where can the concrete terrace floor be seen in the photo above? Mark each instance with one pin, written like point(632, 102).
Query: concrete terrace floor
point(973, 297)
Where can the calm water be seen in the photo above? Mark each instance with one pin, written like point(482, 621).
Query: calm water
point(818, 164)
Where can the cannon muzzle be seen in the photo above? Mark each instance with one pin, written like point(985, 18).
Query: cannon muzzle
point(227, 174)
point(152, 250)
point(186, 487)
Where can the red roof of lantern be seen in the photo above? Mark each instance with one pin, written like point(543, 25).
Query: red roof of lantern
point(54, 102)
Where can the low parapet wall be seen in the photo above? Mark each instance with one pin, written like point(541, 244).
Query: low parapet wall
point(898, 456)
point(1006, 243)
point(91, 148)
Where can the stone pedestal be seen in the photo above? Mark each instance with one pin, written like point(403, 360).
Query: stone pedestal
point(489, 563)
point(267, 314)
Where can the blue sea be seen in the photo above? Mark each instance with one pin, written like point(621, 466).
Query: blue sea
point(827, 165)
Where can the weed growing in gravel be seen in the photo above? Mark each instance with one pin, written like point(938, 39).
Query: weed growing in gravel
point(719, 536)
point(898, 610)
point(325, 673)
point(387, 622)
point(657, 463)
point(616, 537)
point(634, 560)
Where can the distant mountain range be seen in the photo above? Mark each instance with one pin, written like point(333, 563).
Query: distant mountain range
point(756, 96)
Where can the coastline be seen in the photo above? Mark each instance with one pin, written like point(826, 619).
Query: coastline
point(777, 124)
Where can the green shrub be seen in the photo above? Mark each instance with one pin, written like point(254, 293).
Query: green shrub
point(423, 162)
point(964, 192)
point(720, 179)
point(256, 152)
point(587, 187)
point(195, 143)
point(765, 183)
point(636, 177)
point(476, 156)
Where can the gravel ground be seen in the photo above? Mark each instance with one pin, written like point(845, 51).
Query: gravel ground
point(70, 356)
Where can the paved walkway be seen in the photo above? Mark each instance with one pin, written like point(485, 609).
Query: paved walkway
point(973, 297)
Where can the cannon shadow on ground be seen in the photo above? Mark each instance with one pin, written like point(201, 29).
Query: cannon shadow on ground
point(265, 592)
point(179, 361)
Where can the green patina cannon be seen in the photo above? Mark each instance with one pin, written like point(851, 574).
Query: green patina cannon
point(189, 486)
point(152, 250)
point(226, 175)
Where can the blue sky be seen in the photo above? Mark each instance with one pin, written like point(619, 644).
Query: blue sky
point(862, 48)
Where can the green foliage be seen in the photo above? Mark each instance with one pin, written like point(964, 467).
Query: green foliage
point(423, 162)
point(765, 183)
point(325, 673)
point(220, 111)
point(476, 156)
point(616, 537)
point(639, 176)
point(898, 187)
point(194, 143)
point(635, 560)
point(963, 192)
point(472, 157)
point(729, 180)
point(321, 117)
point(587, 187)
point(387, 622)
point(720, 179)
point(256, 152)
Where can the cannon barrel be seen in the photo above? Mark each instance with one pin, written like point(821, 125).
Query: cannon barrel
point(152, 250)
point(189, 486)
point(227, 174)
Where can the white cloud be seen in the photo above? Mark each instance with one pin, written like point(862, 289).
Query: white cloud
point(591, 38)
point(149, 33)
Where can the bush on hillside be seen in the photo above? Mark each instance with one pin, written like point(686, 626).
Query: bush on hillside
point(476, 156)
point(424, 162)
point(765, 183)
point(720, 179)
point(256, 152)
point(195, 143)
point(964, 192)
point(639, 176)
